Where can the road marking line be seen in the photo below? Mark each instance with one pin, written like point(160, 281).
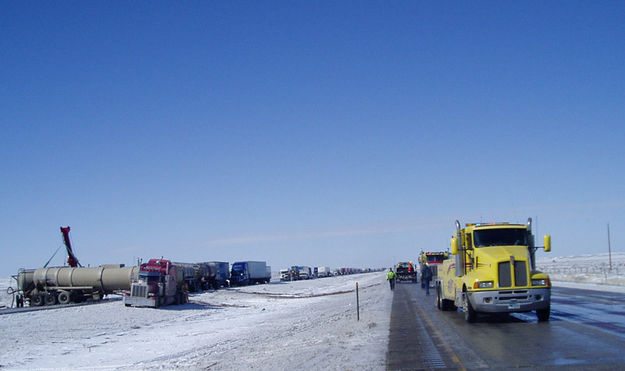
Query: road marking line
point(445, 345)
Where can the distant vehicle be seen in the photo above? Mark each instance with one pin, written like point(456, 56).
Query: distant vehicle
point(406, 272)
point(284, 275)
point(221, 272)
point(305, 273)
point(324, 272)
point(432, 260)
point(249, 273)
point(300, 272)
point(202, 276)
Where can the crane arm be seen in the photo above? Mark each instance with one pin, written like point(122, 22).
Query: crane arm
point(72, 260)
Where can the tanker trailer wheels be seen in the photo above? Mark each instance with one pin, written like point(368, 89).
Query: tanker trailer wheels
point(37, 300)
point(64, 297)
point(51, 298)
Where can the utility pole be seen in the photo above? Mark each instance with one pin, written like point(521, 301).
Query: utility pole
point(609, 248)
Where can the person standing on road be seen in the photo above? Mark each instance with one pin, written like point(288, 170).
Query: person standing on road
point(391, 276)
point(427, 276)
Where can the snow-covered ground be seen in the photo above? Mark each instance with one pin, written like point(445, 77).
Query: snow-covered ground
point(585, 269)
point(305, 324)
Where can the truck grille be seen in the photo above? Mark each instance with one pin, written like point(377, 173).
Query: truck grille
point(505, 280)
point(139, 291)
point(520, 273)
point(505, 274)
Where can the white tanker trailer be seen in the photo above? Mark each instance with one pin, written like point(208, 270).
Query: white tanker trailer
point(64, 285)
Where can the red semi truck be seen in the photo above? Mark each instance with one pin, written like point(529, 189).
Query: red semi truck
point(160, 282)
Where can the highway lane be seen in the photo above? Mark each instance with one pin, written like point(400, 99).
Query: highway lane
point(586, 331)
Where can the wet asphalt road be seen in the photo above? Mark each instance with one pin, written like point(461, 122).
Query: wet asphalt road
point(586, 332)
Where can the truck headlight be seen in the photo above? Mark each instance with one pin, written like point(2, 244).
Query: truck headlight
point(483, 285)
point(541, 282)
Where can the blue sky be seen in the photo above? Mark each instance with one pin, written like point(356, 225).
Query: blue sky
point(309, 133)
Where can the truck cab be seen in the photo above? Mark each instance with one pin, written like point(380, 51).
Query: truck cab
point(159, 283)
point(493, 270)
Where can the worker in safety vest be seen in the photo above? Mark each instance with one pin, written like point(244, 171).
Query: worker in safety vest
point(391, 277)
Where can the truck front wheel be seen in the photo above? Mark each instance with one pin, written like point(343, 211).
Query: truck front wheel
point(469, 313)
point(543, 314)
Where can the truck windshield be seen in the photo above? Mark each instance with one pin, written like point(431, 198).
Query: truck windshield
point(435, 258)
point(237, 267)
point(500, 237)
point(149, 278)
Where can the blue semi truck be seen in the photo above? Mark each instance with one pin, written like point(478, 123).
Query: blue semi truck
point(249, 273)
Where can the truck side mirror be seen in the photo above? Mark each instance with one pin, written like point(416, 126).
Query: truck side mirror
point(547, 243)
point(454, 246)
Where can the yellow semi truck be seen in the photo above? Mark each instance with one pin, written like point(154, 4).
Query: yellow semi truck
point(492, 269)
point(433, 260)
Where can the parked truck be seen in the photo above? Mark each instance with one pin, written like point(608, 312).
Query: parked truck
point(305, 272)
point(433, 260)
point(221, 271)
point(406, 271)
point(294, 273)
point(493, 270)
point(324, 272)
point(249, 273)
point(160, 282)
point(64, 285)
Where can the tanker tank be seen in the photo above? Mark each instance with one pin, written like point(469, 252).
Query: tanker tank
point(73, 284)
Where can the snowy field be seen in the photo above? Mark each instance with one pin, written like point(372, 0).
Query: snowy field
point(585, 269)
point(305, 324)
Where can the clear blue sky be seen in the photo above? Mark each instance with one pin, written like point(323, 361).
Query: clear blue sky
point(313, 133)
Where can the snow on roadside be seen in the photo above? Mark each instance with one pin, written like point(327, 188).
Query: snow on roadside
point(275, 326)
point(6, 299)
point(589, 269)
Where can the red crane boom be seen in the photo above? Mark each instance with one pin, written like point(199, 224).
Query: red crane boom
point(72, 260)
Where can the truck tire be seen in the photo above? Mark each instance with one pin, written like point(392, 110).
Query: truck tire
point(469, 313)
point(439, 299)
point(37, 300)
point(443, 304)
point(51, 298)
point(543, 314)
point(64, 297)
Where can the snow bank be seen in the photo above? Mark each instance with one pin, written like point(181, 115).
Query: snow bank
point(305, 324)
point(593, 269)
